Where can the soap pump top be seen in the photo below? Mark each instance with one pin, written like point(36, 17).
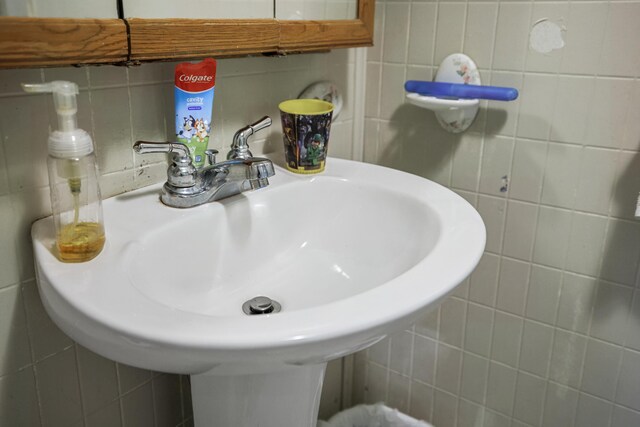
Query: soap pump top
point(67, 141)
point(73, 179)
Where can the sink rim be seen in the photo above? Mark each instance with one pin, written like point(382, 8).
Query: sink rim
point(335, 320)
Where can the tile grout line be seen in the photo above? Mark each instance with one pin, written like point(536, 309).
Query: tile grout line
point(119, 397)
point(635, 294)
point(506, 214)
point(380, 76)
point(32, 365)
point(410, 373)
point(77, 369)
point(601, 261)
point(477, 201)
point(533, 245)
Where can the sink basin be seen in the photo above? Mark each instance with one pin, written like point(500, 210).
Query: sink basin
point(351, 255)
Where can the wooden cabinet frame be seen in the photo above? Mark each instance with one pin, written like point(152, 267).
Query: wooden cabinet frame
point(48, 42)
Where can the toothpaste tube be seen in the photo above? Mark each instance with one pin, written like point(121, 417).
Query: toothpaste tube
point(193, 93)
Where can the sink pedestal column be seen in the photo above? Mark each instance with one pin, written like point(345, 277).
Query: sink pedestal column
point(289, 397)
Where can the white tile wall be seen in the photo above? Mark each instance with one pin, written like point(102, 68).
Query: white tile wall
point(624, 417)
point(395, 32)
point(202, 9)
point(552, 236)
point(560, 406)
point(507, 338)
point(599, 376)
point(483, 282)
point(469, 414)
point(621, 29)
point(18, 398)
point(422, 33)
point(520, 230)
point(466, 162)
point(59, 389)
point(545, 331)
point(567, 357)
point(493, 212)
point(586, 35)
point(576, 302)
point(448, 362)
point(527, 170)
point(592, 411)
point(45, 378)
point(536, 106)
point(543, 295)
point(452, 321)
point(60, 9)
point(478, 329)
point(529, 399)
point(449, 36)
point(511, 37)
point(512, 287)
point(474, 377)
point(586, 243)
point(479, 32)
point(310, 9)
point(496, 165)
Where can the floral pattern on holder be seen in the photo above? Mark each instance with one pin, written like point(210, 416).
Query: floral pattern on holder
point(467, 73)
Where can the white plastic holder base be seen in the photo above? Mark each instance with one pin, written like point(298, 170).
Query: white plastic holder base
point(454, 115)
point(286, 397)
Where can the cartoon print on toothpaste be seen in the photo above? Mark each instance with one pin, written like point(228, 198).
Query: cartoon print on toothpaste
point(192, 127)
point(202, 130)
point(187, 128)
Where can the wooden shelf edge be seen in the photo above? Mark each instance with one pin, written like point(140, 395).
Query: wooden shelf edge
point(38, 42)
point(315, 35)
point(47, 42)
point(153, 39)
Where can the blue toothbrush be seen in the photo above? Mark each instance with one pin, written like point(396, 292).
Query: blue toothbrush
point(456, 90)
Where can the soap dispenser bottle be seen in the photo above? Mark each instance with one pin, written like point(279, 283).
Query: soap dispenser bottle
point(73, 179)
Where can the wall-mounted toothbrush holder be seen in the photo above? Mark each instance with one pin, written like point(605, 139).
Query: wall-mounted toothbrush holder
point(455, 93)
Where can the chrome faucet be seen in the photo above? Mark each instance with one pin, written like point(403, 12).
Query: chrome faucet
point(187, 186)
point(240, 146)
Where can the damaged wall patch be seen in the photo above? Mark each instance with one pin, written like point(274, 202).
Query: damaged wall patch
point(546, 36)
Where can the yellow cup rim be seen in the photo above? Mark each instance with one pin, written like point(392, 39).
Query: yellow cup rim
point(306, 107)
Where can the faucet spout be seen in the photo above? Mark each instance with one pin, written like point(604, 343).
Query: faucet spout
point(211, 183)
point(241, 175)
point(187, 186)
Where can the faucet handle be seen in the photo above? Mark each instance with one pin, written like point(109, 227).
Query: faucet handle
point(261, 124)
point(181, 172)
point(180, 151)
point(211, 155)
point(240, 145)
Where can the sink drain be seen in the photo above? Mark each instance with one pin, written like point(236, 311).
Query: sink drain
point(261, 305)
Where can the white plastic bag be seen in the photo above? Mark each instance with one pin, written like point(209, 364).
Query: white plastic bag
point(377, 415)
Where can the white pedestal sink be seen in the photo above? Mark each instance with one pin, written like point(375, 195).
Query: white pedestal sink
point(351, 255)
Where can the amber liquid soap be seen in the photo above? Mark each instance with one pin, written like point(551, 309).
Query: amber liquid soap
point(79, 241)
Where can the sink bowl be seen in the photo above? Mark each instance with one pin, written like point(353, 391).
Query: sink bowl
point(351, 255)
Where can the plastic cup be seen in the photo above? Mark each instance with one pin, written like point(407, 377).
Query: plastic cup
point(306, 124)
